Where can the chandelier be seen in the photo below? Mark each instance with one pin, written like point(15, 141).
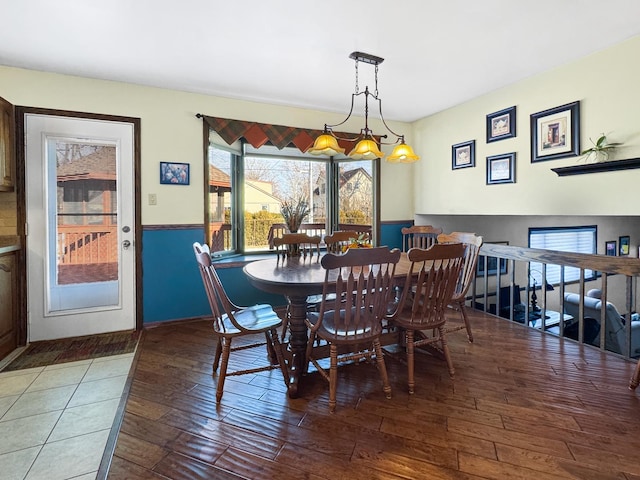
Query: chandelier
point(368, 147)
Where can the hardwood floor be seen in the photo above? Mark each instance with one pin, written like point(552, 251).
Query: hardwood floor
point(523, 405)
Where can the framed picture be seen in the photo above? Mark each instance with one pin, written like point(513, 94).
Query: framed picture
point(174, 173)
point(623, 242)
point(463, 155)
point(555, 133)
point(492, 264)
point(501, 125)
point(611, 248)
point(501, 168)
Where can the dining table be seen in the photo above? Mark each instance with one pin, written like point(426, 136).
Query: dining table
point(298, 278)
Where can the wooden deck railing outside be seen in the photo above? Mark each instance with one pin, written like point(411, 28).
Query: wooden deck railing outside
point(87, 244)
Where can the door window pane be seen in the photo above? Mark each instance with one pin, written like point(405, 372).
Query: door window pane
point(87, 237)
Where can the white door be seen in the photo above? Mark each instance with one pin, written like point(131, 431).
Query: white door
point(80, 226)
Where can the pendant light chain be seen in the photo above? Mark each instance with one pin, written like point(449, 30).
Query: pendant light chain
point(357, 89)
point(376, 94)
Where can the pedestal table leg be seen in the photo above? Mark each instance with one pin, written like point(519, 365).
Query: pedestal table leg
point(297, 342)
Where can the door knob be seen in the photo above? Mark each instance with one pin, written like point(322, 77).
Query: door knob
point(126, 244)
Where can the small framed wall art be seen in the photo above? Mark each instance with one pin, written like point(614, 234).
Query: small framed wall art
point(623, 243)
point(555, 133)
point(463, 155)
point(611, 248)
point(172, 173)
point(501, 124)
point(501, 168)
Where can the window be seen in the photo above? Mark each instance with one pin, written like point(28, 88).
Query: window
point(563, 239)
point(247, 186)
point(355, 192)
point(220, 204)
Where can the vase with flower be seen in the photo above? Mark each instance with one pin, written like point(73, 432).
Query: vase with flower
point(294, 212)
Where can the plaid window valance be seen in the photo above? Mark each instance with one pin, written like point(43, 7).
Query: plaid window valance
point(258, 134)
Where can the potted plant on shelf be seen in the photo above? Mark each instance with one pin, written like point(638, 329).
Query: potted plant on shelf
point(600, 151)
point(294, 212)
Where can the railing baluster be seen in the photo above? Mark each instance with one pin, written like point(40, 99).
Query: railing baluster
point(627, 323)
point(624, 268)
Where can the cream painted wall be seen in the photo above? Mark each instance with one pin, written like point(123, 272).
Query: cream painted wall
point(171, 132)
point(606, 83)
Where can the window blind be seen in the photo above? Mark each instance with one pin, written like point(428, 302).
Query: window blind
point(563, 239)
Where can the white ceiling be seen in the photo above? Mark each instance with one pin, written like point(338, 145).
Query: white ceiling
point(438, 53)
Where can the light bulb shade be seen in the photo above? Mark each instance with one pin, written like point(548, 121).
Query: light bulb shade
point(326, 144)
point(366, 149)
point(403, 153)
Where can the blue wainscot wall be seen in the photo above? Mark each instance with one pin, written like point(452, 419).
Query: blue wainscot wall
point(171, 283)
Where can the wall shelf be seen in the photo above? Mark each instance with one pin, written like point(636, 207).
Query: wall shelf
point(613, 166)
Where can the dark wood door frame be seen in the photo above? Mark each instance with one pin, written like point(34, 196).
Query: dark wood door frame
point(21, 111)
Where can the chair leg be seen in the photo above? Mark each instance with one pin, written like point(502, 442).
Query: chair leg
point(463, 312)
point(216, 358)
point(333, 378)
point(226, 350)
point(382, 368)
point(271, 353)
point(445, 350)
point(277, 347)
point(313, 338)
point(410, 361)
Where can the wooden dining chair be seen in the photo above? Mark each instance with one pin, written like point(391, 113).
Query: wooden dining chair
point(419, 236)
point(438, 269)
point(339, 239)
point(472, 243)
point(231, 321)
point(335, 243)
point(351, 321)
point(297, 244)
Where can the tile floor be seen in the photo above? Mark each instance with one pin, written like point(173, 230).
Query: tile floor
point(55, 420)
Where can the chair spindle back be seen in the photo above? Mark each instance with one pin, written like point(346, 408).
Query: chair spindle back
point(438, 271)
point(339, 239)
point(419, 236)
point(363, 281)
point(297, 244)
point(218, 300)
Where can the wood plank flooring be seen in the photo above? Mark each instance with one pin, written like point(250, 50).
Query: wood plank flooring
point(522, 405)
